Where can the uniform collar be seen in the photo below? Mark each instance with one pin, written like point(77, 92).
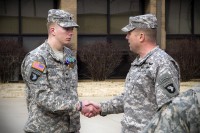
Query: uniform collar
point(51, 51)
point(65, 52)
point(139, 61)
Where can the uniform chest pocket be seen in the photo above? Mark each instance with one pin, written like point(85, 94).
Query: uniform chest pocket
point(131, 79)
point(140, 76)
point(145, 74)
point(54, 75)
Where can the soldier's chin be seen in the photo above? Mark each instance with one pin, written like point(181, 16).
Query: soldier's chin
point(69, 45)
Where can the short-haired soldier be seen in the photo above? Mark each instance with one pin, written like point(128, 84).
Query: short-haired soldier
point(153, 78)
point(50, 74)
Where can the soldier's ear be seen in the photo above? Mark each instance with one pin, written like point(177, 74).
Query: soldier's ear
point(142, 36)
point(52, 30)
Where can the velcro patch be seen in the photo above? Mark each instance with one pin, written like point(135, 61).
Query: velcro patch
point(170, 88)
point(34, 76)
point(38, 66)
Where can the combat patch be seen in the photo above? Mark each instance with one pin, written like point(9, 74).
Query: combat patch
point(166, 82)
point(170, 88)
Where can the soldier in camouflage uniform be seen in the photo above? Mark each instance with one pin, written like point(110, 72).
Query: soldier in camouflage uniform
point(153, 78)
point(181, 115)
point(50, 74)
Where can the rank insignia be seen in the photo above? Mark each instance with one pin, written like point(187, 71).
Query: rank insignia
point(38, 66)
point(70, 62)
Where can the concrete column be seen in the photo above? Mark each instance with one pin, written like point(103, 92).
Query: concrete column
point(157, 7)
point(161, 33)
point(163, 29)
point(71, 6)
point(150, 6)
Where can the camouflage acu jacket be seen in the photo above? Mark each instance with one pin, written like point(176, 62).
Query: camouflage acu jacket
point(181, 115)
point(150, 83)
point(51, 91)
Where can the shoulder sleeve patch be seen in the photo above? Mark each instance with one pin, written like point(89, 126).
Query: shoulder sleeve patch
point(170, 88)
point(166, 82)
point(34, 76)
point(38, 66)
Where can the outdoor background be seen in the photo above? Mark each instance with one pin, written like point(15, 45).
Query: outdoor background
point(102, 51)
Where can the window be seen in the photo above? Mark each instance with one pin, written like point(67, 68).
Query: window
point(120, 11)
point(32, 42)
point(34, 16)
point(102, 20)
point(92, 18)
point(196, 17)
point(182, 17)
point(25, 20)
point(9, 16)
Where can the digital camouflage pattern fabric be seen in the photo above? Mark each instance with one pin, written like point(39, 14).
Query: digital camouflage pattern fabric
point(150, 83)
point(51, 91)
point(61, 17)
point(141, 21)
point(181, 115)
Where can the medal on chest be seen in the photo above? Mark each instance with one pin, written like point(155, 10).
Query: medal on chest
point(70, 62)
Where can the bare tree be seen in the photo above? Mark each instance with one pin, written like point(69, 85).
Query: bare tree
point(186, 52)
point(100, 59)
point(11, 55)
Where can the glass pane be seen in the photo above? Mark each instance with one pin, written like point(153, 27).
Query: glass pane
point(196, 17)
point(34, 16)
point(120, 11)
point(178, 17)
point(9, 16)
point(30, 43)
point(83, 41)
point(92, 18)
point(120, 42)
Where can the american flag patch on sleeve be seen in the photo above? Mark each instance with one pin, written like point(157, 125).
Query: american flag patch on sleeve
point(38, 66)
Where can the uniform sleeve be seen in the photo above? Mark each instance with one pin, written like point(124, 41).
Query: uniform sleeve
point(113, 106)
point(34, 73)
point(167, 83)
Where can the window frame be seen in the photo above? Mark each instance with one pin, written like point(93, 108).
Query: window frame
point(20, 34)
point(109, 35)
point(192, 21)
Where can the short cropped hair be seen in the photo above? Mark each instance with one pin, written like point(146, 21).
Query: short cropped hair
point(150, 33)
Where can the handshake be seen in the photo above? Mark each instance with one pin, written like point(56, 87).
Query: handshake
point(89, 108)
